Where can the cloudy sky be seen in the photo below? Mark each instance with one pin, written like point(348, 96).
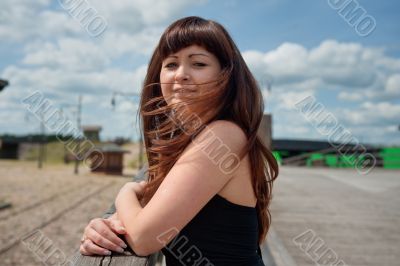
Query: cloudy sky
point(350, 64)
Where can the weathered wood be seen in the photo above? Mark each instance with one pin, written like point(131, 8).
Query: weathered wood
point(80, 260)
point(126, 259)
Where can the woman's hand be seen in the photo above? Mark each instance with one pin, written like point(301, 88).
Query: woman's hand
point(137, 188)
point(140, 189)
point(129, 190)
point(101, 237)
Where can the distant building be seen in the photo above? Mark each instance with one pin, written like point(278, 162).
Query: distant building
point(19, 147)
point(108, 159)
point(92, 132)
point(323, 153)
point(9, 149)
point(14, 147)
point(265, 130)
point(292, 147)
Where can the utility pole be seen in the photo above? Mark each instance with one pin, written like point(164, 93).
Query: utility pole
point(78, 124)
point(41, 143)
point(40, 139)
point(135, 99)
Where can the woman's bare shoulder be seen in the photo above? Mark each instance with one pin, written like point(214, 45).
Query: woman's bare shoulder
point(227, 130)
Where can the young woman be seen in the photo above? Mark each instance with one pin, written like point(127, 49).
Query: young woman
point(209, 175)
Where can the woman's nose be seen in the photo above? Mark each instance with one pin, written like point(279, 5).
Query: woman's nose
point(181, 74)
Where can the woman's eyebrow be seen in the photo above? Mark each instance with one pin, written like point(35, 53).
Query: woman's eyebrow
point(175, 56)
point(198, 54)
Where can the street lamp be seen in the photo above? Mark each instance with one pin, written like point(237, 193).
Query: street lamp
point(3, 84)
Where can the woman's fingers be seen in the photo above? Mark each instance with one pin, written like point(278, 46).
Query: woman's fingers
point(103, 241)
point(116, 225)
point(103, 228)
point(88, 248)
point(100, 237)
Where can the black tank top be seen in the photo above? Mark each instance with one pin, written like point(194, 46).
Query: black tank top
point(221, 234)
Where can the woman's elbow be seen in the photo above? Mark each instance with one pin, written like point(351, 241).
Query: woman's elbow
point(141, 252)
point(140, 245)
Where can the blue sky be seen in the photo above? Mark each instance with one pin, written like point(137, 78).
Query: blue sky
point(304, 48)
point(265, 24)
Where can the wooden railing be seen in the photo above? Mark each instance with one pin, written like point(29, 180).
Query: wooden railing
point(128, 258)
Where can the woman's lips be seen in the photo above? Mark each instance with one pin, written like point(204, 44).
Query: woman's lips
point(182, 90)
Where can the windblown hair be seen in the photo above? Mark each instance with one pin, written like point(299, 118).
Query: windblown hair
point(234, 96)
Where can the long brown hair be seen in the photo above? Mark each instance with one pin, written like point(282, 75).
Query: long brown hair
point(235, 96)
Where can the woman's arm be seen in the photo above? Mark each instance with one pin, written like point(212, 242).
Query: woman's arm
point(128, 206)
point(203, 169)
point(102, 234)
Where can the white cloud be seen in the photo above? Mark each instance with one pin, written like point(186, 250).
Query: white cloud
point(288, 100)
point(142, 42)
point(62, 83)
point(393, 85)
point(60, 59)
point(379, 111)
point(357, 72)
point(31, 19)
point(363, 85)
point(350, 96)
point(285, 64)
point(68, 53)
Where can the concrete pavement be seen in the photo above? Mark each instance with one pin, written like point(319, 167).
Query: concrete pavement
point(335, 217)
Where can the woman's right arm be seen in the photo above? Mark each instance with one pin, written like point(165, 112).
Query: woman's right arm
point(100, 236)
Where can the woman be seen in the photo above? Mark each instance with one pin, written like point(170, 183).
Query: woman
point(210, 177)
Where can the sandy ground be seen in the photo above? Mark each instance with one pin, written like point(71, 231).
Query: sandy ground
point(50, 208)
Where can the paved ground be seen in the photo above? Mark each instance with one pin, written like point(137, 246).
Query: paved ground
point(53, 204)
point(353, 217)
point(342, 213)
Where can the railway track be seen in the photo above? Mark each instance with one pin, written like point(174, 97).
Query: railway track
point(16, 227)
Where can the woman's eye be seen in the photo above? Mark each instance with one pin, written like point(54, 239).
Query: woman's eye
point(199, 64)
point(170, 65)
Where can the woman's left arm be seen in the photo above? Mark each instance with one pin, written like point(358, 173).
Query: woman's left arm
point(128, 207)
point(203, 169)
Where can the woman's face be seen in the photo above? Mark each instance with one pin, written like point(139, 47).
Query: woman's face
point(180, 72)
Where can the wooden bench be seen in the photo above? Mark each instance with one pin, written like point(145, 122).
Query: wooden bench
point(128, 258)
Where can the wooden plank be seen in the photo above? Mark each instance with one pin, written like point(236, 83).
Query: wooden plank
point(79, 259)
point(126, 259)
